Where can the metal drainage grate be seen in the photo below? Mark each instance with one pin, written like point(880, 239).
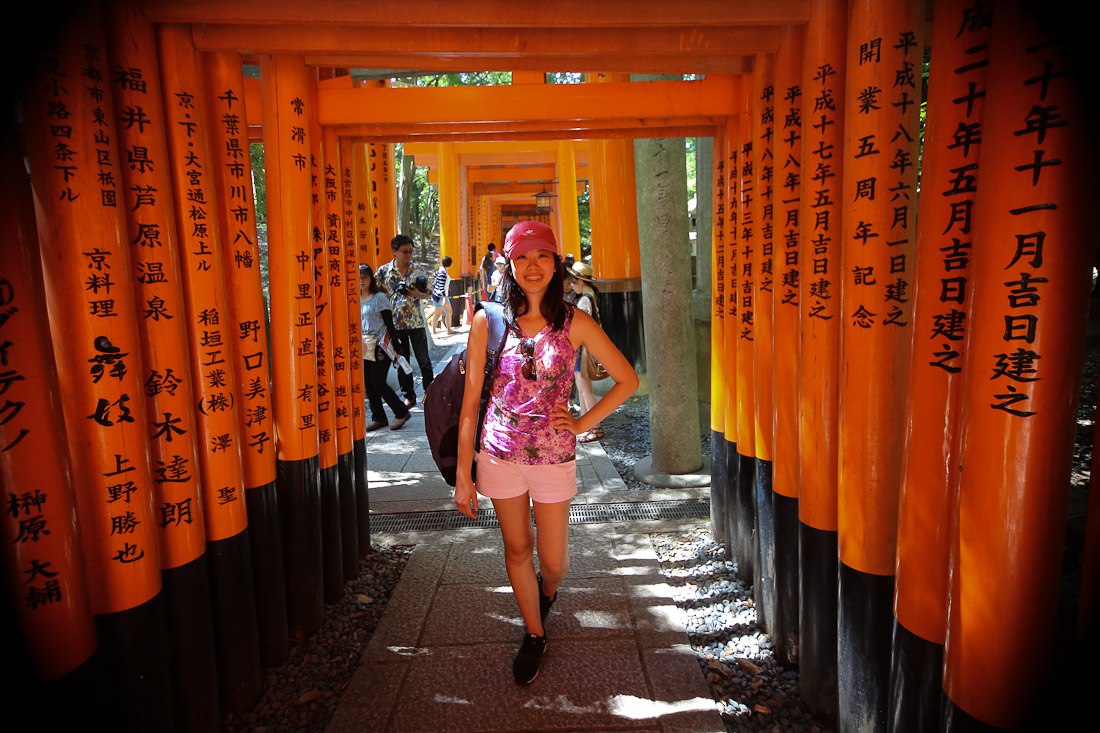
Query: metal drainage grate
point(578, 514)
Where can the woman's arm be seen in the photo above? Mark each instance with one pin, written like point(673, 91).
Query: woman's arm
point(587, 333)
point(387, 319)
point(465, 495)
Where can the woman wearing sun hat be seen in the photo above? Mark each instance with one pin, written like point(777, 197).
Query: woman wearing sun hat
point(527, 455)
point(584, 290)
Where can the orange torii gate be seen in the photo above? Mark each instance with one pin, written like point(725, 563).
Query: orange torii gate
point(951, 343)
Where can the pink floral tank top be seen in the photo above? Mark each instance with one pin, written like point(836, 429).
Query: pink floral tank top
point(517, 420)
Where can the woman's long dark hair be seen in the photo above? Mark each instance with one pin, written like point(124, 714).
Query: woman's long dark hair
point(553, 303)
point(374, 287)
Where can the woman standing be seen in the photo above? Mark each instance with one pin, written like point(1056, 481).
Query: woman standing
point(376, 317)
point(584, 297)
point(528, 452)
point(441, 304)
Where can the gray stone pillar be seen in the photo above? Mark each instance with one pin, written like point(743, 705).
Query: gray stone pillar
point(700, 297)
point(660, 170)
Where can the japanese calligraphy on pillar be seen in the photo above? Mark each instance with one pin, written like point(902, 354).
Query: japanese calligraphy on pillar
point(882, 138)
point(377, 184)
point(154, 253)
point(43, 563)
point(343, 284)
point(821, 192)
point(72, 147)
point(789, 184)
point(718, 296)
point(334, 273)
point(247, 326)
point(208, 318)
point(765, 163)
point(326, 402)
point(745, 275)
point(1042, 113)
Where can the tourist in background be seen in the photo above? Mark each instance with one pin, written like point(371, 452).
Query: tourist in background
point(407, 286)
point(584, 297)
point(376, 319)
point(441, 303)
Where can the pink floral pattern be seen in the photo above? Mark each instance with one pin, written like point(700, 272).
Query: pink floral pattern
point(517, 421)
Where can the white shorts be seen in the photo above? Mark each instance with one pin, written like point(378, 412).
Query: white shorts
point(546, 484)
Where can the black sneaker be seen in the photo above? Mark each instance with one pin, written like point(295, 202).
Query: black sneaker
point(545, 601)
point(525, 667)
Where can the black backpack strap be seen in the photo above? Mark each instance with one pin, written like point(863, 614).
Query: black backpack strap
point(498, 333)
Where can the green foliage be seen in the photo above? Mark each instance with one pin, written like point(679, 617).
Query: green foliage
point(259, 182)
point(458, 79)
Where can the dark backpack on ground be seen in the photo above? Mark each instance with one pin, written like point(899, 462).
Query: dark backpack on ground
point(443, 400)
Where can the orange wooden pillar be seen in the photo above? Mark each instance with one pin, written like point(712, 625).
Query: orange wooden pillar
point(819, 310)
point(787, 200)
point(383, 197)
point(331, 509)
point(1034, 247)
point(450, 238)
point(885, 58)
point(365, 241)
point(247, 315)
point(566, 166)
point(949, 177)
point(356, 375)
point(49, 633)
point(73, 152)
point(719, 512)
point(335, 277)
point(169, 396)
point(763, 262)
point(206, 322)
point(293, 334)
point(745, 513)
point(731, 141)
point(616, 257)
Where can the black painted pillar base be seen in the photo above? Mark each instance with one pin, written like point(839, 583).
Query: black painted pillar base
point(349, 515)
point(733, 529)
point(957, 720)
point(620, 305)
point(299, 488)
point(719, 517)
point(238, 640)
point(265, 533)
point(817, 618)
point(785, 530)
point(194, 666)
point(132, 673)
point(763, 587)
point(916, 683)
point(745, 517)
point(864, 622)
point(362, 496)
point(332, 545)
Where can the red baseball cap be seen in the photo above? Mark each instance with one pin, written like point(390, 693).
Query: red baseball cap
point(528, 235)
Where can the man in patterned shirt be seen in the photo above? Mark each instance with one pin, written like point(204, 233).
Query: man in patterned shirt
point(407, 286)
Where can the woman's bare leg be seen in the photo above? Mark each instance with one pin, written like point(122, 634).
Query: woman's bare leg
point(514, 516)
point(552, 524)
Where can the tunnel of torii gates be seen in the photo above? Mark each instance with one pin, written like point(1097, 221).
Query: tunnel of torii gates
point(184, 475)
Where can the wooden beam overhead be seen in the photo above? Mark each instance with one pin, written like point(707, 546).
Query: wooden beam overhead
point(541, 130)
point(604, 134)
point(484, 13)
point(592, 63)
point(317, 39)
point(509, 173)
point(421, 106)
